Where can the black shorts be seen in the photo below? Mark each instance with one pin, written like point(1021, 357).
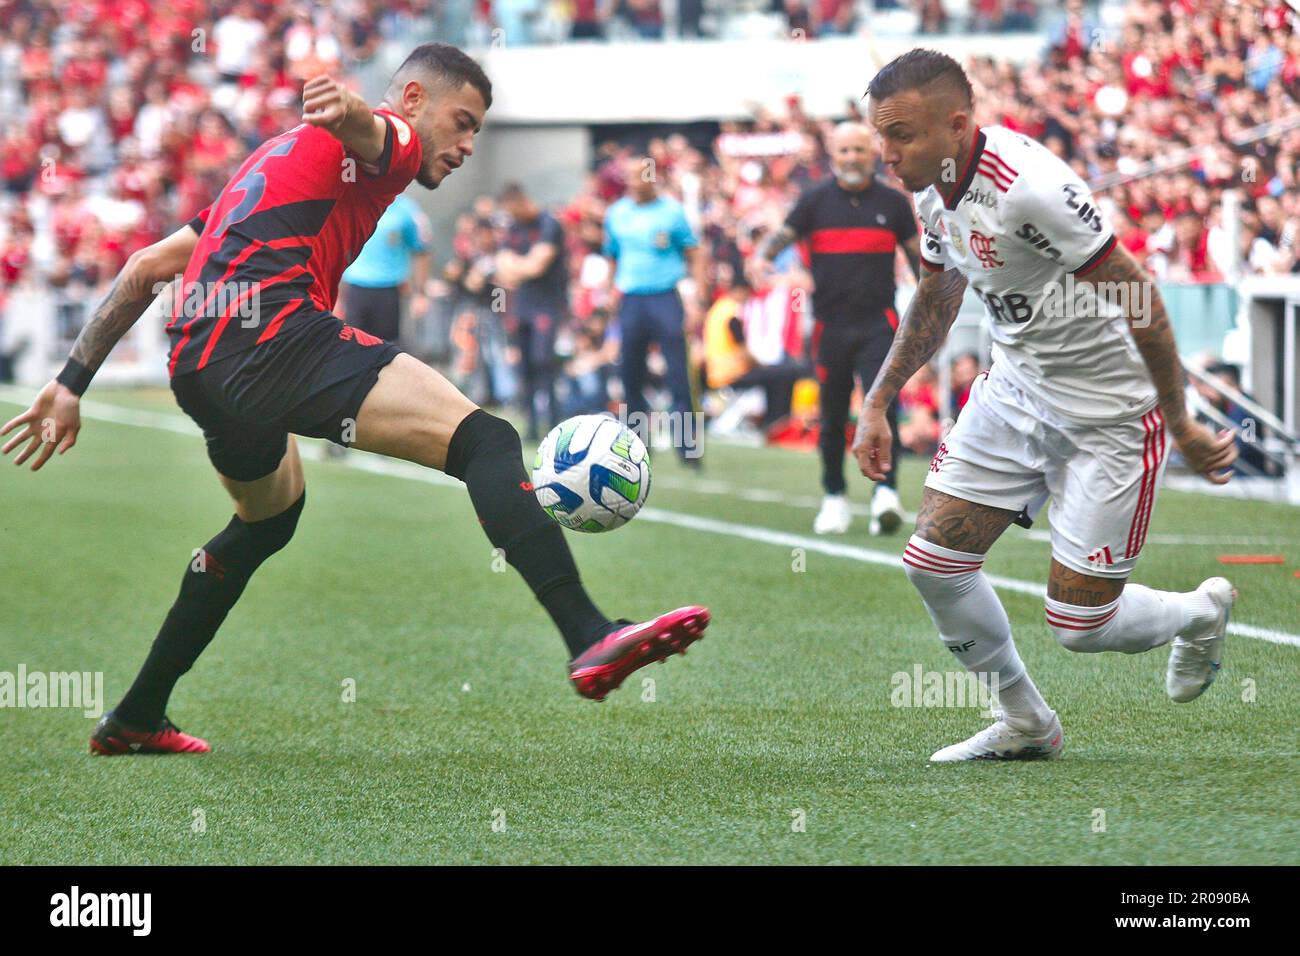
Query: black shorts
point(309, 380)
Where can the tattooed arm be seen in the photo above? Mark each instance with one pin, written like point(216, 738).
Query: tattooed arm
point(930, 315)
point(55, 416)
point(1206, 454)
point(133, 291)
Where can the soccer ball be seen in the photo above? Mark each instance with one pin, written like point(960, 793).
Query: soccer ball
point(592, 473)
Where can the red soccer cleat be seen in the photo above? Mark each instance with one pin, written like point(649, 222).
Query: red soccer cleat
point(112, 738)
point(602, 667)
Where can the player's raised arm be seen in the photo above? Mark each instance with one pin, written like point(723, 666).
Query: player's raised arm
point(1206, 453)
point(345, 116)
point(930, 315)
point(55, 416)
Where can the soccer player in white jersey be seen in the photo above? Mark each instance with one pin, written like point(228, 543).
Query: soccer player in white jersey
point(1084, 397)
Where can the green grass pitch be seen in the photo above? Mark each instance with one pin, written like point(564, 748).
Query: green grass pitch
point(773, 741)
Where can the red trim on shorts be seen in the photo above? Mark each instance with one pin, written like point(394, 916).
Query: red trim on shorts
point(1153, 449)
point(1158, 450)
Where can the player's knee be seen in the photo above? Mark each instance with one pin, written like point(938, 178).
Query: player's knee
point(481, 434)
point(923, 581)
point(271, 534)
point(1074, 635)
point(936, 573)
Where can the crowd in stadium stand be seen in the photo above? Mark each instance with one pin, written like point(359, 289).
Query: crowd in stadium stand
point(119, 120)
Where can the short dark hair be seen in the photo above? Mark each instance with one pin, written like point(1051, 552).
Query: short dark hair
point(917, 69)
point(444, 63)
point(513, 191)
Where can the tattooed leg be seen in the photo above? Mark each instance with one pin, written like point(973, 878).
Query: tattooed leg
point(958, 524)
point(1082, 590)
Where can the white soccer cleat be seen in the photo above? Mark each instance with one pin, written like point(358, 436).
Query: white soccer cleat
point(1000, 741)
point(1196, 656)
point(834, 517)
point(886, 510)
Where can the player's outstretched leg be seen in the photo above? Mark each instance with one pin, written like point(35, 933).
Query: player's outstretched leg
point(944, 561)
point(1087, 615)
point(267, 512)
point(416, 414)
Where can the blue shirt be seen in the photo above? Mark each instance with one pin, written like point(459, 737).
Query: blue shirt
point(385, 260)
point(648, 243)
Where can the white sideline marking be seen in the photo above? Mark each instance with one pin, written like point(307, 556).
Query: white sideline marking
point(706, 486)
point(394, 468)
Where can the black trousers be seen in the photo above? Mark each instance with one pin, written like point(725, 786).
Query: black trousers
point(375, 310)
point(777, 383)
point(535, 338)
point(843, 349)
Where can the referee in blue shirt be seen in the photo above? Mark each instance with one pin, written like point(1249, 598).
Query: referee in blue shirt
point(653, 247)
point(393, 260)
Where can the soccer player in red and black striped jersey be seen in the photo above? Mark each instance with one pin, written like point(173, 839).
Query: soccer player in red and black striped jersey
point(257, 356)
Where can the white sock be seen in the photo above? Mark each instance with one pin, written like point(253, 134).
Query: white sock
point(974, 624)
point(1140, 619)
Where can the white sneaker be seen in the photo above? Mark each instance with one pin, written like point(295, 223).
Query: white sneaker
point(1000, 741)
point(834, 517)
point(886, 510)
point(1195, 658)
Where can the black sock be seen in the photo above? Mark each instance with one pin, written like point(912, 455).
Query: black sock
point(212, 584)
point(486, 454)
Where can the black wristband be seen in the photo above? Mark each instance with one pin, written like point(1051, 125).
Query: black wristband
point(75, 377)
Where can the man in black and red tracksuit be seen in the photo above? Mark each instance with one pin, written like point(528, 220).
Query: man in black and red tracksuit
point(258, 356)
point(852, 226)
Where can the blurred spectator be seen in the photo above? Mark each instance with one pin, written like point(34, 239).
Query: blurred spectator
point(745, 346)
point(480, 366)
point(1251, 459)
point(919, 428)
point(645, 17)
point(588, 370)
point(235, 37)
point(589, 18)
point(965, 369)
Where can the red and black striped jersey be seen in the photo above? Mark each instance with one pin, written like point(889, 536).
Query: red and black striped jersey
point(278, 237)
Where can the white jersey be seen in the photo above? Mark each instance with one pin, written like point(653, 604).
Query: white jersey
point(1021, 227)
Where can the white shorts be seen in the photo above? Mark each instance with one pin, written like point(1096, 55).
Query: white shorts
point(1007, 451)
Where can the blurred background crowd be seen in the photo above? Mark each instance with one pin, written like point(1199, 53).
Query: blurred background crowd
point(119, 120)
